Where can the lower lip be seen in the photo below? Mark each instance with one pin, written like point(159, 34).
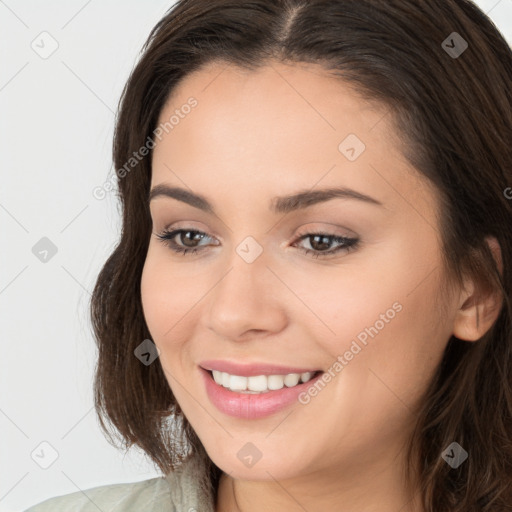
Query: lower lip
point(252, 406)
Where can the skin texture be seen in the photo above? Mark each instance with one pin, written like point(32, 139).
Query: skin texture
point(271, 132)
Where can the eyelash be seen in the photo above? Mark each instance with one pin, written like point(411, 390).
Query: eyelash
point(349, 244)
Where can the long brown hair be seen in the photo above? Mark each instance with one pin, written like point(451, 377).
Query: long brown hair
point(453, 114)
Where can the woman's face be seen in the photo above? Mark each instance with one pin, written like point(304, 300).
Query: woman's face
point(366, 315)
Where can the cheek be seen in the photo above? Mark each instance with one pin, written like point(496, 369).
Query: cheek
point(166, 300)
point(380, 314)
point(167, 292)
point(155, 300)
point(173, 296)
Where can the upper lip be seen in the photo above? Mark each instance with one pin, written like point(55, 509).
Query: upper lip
point(251, 369)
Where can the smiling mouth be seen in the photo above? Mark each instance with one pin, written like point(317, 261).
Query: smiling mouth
point(260, 384)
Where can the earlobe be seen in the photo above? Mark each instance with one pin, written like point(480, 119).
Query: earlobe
point(479, 309)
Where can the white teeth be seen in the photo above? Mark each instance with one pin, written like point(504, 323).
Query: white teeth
point(259, 383)
point(291, 379)
point(237, 383)
point(275, 382)
point(304, 377)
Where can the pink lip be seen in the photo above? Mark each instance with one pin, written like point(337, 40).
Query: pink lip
point(253, 369)
point(252, 406)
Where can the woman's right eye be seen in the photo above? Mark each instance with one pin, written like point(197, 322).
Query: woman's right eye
point(167, 237)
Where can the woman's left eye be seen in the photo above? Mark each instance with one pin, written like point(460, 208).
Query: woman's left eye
point(325, 239)
point(320, 240)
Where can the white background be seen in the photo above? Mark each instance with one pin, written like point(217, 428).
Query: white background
point(57, 117)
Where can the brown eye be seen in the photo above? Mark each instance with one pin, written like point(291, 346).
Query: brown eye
point(189, 242)
point(319, 242)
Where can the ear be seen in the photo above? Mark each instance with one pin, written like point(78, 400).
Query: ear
point(478, 309)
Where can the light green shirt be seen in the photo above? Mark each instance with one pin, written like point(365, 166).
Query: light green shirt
point(187, 489)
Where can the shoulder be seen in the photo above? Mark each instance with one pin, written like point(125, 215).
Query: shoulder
point(148, 495)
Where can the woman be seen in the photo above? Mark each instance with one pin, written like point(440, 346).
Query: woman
point(309, 306)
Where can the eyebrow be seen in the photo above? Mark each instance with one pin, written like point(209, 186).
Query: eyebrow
point(281, 204)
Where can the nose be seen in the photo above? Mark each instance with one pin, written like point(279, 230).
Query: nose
point(247, 300)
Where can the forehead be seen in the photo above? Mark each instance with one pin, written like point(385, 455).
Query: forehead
point(270, 94)
point(282, 126)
